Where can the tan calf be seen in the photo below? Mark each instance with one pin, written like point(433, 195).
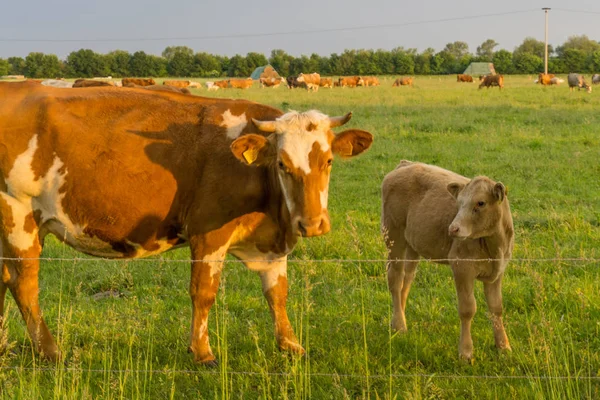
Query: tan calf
point(436, 214)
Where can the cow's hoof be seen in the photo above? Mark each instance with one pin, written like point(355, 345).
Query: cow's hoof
point(291, 347)
point(467, 358)
point(210, 363)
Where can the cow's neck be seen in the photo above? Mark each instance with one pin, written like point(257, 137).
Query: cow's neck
point(279, 212)
point(498, 246)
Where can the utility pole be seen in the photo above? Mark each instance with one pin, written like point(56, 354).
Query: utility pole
point(546, 9)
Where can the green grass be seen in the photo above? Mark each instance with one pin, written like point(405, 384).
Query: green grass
point(543, 143)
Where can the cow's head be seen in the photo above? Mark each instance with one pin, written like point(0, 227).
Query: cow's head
point(300, 78)
point(301, 149)
point(479, 208)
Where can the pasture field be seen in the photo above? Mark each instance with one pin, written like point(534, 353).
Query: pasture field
point(124, 326)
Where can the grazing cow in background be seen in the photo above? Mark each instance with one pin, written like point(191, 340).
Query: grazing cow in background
point(82, 83)
point(556, 81)
point(241, 83)
point(164, 88)
point(326, 83)
point(350, 81)
point(195, 85)
point(336, 83)
point(436, 214)
point(310, 80)
point(595, 79)
point(177, 84)
point(211, 87)
point(145, 172)
point(492, 80)
point(545, 79)
point(369, 81)
point(464, 78)
point(578, 81)
point(292, 82)
point(221, 84)
point(137, 81)
point(403, 82)
point(57, 83)
point(271, 82)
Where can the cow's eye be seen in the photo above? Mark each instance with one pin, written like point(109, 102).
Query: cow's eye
point(329, 162)
point(481, 203)
point(281, 165)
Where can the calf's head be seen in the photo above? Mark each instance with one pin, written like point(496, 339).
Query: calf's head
point(301, 149)
point(480, 204)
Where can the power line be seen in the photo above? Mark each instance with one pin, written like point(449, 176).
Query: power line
point(575, 11)
point(266, 34)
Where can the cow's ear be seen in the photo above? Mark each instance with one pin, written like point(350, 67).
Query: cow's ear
point(499, 191)
point(252, 149)
point(351, 142)
point(455, 188)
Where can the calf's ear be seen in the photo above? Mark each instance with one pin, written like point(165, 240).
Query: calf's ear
point(455, 188)
point(351, 142)
point(499, 191)
point(252, 149)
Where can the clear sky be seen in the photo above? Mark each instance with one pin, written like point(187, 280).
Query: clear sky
point(77, 20)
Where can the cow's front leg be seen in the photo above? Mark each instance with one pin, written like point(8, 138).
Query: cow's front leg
point(275, 288)
point(493, 296)
point(464, 281)
point(204, 284)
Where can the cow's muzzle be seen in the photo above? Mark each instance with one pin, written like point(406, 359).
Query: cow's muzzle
point(308, 227)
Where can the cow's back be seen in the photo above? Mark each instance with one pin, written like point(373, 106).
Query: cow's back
point(417, 207)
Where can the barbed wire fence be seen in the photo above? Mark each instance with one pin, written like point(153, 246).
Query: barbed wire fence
point(573, 261)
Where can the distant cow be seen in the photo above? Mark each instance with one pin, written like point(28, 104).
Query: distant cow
point(369, 81)
point(57, 83)
point(578, 81)
point(221, 84)
point(194, 84)
point(310, 80)
point(211, 86)
point(138, 81)
point(492, 80)
point(350, 81)
point(240, 83)
point(403, 82)
point(326, 83)
point(177, 84)
point(271, 82)
point(436, 214)
point(82, 83)
point(556, 81)
point(595, 79)
point(336, 83)
point(292, 82)
point(165, 88)
point(545, 79)
point(464, 78)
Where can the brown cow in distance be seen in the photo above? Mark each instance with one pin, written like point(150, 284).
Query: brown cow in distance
point(240, 83)
point(177, 84)
point(464, 78)
point(492, 80)
point(138, 81)
point(369, 81)
point(311, 81)
point(221, 84)
point(145, 172)
point(403, 82)
point(163, 88)
point(466, 223)
point(350, 81)
point(82, 83)
point(271, 82)
point(545, 79)
point(326, 83)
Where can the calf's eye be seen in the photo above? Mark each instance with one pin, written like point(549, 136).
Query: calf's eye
point(481, 203)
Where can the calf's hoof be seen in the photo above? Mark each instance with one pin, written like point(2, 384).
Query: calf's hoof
point(399, 326)
point(208, 359)
point(467, 357)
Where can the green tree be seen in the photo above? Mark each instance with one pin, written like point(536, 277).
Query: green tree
point(346, 63)
point(171, 51)
point(239, 67)
point(4, 67)
point(532, 46)
point(527, 63)
point(86, 63)
point(17, 66)
point(179, 60)
point(485, 52)
point(255, 60)
point(118, 63)
point(457, 49)
point(404, 62)
point(593, 61)
point(574, 59)
point(280, 60)
point(140, 64)
point(423, 62)
point(40, 65)
point(206, 65)
point(582, 43)
point(503, 62)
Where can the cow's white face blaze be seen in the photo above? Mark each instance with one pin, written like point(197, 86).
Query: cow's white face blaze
point(301, 150)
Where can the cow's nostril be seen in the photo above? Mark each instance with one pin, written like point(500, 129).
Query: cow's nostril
point(301, 228)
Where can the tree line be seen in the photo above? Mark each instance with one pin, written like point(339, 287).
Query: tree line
point(577, 54)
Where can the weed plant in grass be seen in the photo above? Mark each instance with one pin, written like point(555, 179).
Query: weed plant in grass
point(543, 143)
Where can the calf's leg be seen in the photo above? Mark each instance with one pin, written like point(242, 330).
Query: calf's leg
point(493, 297)
point(467, 307)
point(400, 275)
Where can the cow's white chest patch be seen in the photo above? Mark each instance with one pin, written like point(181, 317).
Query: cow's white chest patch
point(234, 124)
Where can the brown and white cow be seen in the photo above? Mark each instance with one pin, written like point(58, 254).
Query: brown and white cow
point(403, 82)
point(240, 83)
point(492, 80)
point(131, 173)
point(138, 81)
point(82, 83)
point(369, 81)
point(545, 79)
point(350, 81)
point(578, 81)
point(326, 83)
point(311, 81)
point(223, 84)
point(439, 215)
point(271, 82)
point(177, 84)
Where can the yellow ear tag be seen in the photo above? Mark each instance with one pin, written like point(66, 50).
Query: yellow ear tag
point(250, 155)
